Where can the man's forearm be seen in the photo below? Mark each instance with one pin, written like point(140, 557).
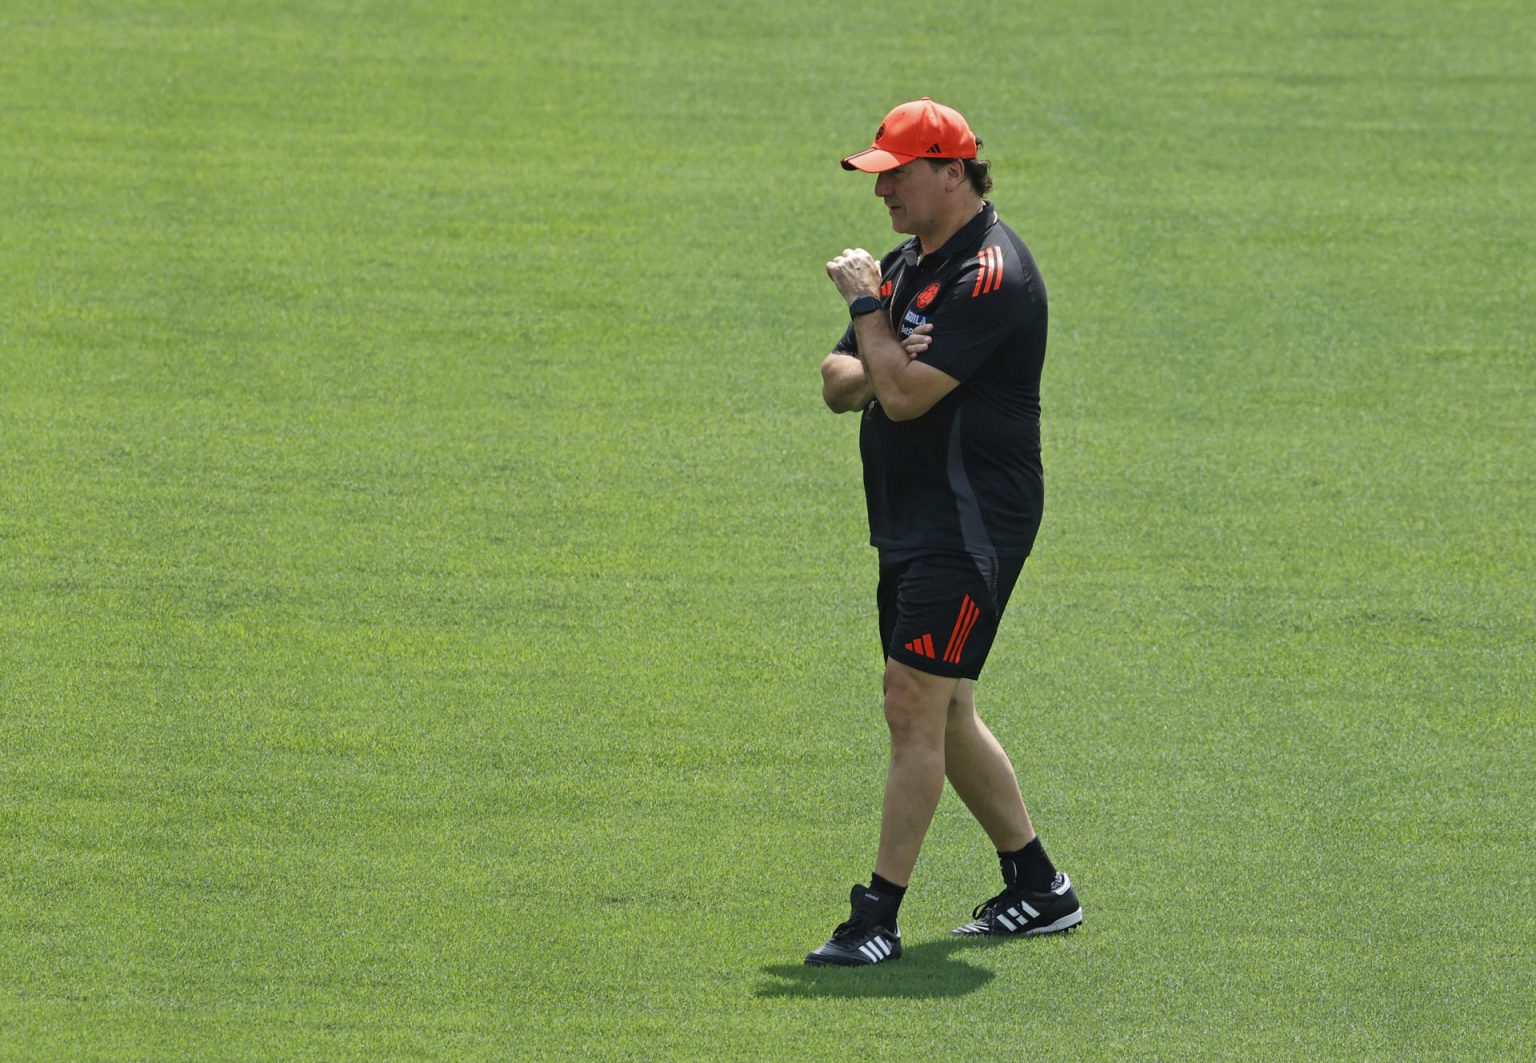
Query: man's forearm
point(887, 365)
point(845, 385)
point(905, 387)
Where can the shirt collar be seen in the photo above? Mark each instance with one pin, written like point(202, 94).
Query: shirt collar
point(970, 233)
point(968, 236)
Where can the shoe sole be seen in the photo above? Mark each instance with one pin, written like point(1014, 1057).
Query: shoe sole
point(1066, 924)
point(848, 963)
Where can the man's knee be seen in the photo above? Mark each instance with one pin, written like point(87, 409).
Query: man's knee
point(962, 702)
point(916, 703)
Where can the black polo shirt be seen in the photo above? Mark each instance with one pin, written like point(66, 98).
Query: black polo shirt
point(966, 475)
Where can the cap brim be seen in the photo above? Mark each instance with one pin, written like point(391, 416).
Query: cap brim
point(875, 160)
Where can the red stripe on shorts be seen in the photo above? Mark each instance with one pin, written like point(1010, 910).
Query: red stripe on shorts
point(963, 624)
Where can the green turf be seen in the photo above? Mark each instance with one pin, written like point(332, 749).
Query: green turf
point(434, 613)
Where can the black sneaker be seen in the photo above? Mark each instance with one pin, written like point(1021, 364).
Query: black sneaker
point(862, 940)
point(1022, 911)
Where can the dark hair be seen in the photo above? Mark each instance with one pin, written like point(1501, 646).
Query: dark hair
point(977, 171)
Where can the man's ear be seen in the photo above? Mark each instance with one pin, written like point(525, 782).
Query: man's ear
point(954, 174)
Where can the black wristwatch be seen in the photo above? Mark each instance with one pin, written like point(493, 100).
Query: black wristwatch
point(864, 304)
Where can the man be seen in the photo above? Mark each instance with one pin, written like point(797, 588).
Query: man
point(943, 357)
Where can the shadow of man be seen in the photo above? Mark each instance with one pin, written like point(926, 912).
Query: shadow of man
point(925, 971)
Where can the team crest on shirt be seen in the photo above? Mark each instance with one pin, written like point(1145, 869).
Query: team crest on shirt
point(927, 296)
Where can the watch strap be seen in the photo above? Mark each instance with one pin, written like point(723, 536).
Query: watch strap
point(864, 304)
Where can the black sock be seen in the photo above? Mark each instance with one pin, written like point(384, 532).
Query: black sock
point(1029, 867)
point(889, 899)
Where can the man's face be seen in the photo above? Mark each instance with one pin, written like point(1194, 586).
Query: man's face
point(913, 194)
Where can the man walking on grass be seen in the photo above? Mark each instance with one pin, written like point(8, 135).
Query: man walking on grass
point(943, 358)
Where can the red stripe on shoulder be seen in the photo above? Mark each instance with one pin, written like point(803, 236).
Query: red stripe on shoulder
point(989, 274)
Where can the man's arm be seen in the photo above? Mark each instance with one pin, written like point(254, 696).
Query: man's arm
point(905, 387)
point(844, 385)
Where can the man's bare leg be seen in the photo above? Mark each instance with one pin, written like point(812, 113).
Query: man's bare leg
point(982, 774)
point(916, 710)
point(1036, 900)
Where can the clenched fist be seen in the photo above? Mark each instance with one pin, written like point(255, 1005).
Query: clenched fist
point(855, 272)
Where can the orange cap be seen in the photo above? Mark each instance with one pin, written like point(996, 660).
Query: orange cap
point(916, 130)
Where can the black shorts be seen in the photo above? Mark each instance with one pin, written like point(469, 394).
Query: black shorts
point(939, 612)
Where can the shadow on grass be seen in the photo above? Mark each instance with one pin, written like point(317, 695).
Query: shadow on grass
point(924, 971)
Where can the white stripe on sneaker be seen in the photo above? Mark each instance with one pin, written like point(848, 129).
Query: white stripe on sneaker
point(869, 954)
point(1009, 923)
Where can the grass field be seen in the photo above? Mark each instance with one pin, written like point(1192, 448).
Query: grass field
point(435, 619)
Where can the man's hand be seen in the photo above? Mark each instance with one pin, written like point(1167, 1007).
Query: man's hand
point(919, 341)
point(856, 273)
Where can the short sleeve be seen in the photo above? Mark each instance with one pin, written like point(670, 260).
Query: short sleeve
point(979, 308)
point(849, 344)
